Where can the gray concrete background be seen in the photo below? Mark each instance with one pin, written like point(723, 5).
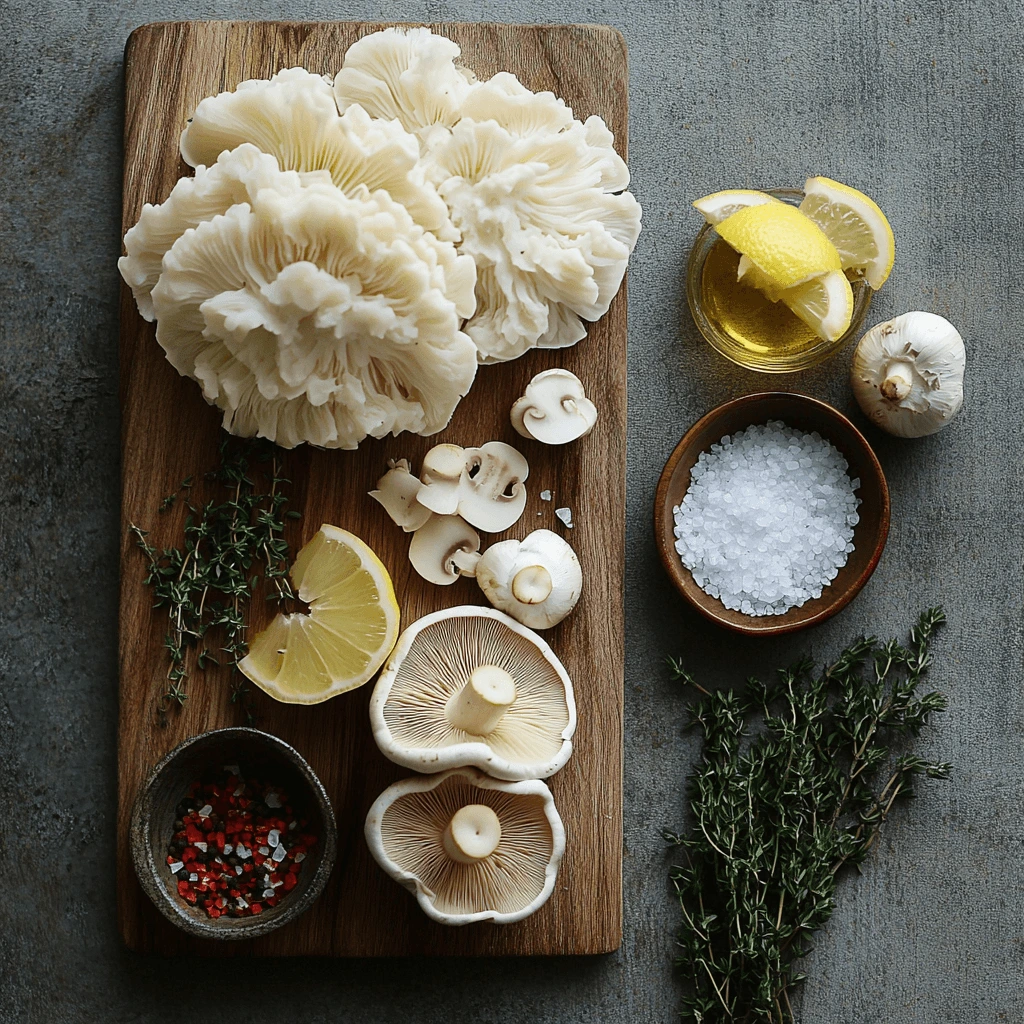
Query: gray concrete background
point(919, 104)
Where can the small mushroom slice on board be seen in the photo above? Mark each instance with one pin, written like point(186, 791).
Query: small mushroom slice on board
point(554, 409)
point(396, 491)
point(444, 548)
point(483, 485)
point(469, 847)
point(471, 686)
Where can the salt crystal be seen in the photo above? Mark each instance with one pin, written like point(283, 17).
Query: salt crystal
point(176, 866)
point(200, 846)
point(768, 519)
point(299, 858)
point(242, 905)
point(273, 837)
point(272, 799)
point(565, 515)
point(206, 810)
point(238, 869)
point(265, 851)
point(228, 848)
point(268, 892)
point(545, 495)
point(279, 854)
point(193, 877)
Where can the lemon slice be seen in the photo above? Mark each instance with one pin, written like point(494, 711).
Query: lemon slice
point(783, 243)
point(350, 630)
point(857, 227)
point(824, 303)
point(719, 205)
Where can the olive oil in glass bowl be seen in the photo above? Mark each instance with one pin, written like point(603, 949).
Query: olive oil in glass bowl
point(743, 324)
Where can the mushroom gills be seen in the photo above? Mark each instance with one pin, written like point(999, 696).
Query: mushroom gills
point(472, 834)
point(481, 704)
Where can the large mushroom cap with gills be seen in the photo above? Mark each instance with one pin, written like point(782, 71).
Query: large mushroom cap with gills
point(471, 686)
point(471, 848)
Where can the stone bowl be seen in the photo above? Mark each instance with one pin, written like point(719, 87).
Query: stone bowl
point(806, 414)
point(154, 812)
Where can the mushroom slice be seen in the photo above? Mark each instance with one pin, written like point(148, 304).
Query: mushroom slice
point(396, 491)
point(469, 847)
point(554, 409)
point(471, 686)
point(444, 548)
point(537, 580)
point(483, 485)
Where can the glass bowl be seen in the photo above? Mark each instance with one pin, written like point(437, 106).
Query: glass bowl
point(763, 358)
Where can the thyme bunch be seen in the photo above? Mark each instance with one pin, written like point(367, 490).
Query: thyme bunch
point(206, 583)
point(796, 778)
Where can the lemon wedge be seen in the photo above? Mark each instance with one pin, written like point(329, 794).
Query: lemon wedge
point(719, 205)
point(782, 242)
point(856, 226)
point(824, 303)
point(350, 630)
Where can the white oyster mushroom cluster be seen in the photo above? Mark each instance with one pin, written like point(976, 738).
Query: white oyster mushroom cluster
point(538, 197)
point(469, 690)
point(349, 249)
point(537, 580)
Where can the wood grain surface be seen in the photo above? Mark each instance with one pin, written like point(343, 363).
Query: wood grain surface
point(169, 433)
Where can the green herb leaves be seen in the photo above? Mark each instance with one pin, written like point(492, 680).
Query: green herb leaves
point(795, 780)
point(206, 583)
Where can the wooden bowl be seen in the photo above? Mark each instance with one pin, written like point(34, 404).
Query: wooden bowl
point(153, 815)
point(805, 414)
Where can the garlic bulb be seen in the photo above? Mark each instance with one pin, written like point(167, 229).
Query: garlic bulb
point(908, 374)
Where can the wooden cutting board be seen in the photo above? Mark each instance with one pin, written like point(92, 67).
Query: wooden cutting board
point(169, 433)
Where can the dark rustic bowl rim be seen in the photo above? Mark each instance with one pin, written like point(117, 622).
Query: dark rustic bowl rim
point(147, 870)
point(664, 519)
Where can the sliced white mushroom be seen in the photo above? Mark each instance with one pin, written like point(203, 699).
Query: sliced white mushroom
point(444, 548)
point(469, 847)
point(554, 409)
point(396, 491)
point(471, 686)
point(537, 580)
point(483, 485)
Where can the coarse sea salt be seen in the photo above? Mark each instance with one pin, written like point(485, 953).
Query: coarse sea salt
point(767, 521)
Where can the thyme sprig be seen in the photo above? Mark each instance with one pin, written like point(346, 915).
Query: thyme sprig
point(206, 583)
point(796, 778)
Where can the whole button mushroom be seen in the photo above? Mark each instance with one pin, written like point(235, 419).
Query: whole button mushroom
point(908, 374)
point(471, 686)
point(537, 581)
point(469, 847)
point(554, 409)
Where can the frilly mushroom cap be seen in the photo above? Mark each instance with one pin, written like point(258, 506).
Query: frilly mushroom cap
point(311, 316)
point(234, 177)
point(554, 409)
point(405, 831)
point(543, 214)
point(407, 75)
point(294, 117)
point(413, 703)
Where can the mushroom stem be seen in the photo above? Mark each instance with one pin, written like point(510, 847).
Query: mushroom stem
point(472, 835)
point(898, 383)
point(481, 704)
point(532, 585)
